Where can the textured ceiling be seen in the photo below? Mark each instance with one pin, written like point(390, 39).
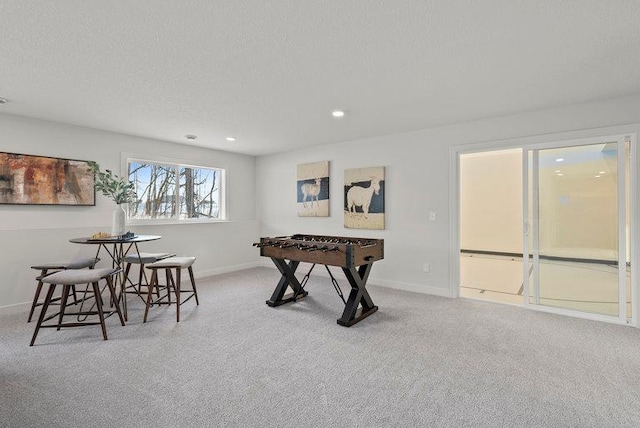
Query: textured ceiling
point(270, 72)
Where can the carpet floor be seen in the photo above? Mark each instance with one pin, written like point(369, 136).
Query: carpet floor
point(233, 361)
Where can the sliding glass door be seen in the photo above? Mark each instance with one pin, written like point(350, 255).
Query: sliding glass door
point(577, 226)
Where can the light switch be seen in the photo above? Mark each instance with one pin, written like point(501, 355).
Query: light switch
point(432, 215)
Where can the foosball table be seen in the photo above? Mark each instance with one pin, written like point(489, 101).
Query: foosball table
point(354, 255)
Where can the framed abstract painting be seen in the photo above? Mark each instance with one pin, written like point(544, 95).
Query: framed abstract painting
point(42, 180)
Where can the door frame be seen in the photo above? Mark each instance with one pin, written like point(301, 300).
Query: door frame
point(534, 228)
point(628, 131)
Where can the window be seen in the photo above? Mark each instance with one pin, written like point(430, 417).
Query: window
point(175, 192)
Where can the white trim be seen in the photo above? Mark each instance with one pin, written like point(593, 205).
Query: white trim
point(577, 314)
point(416, 288)
point(173, 221)
point(575, 142)
point(535, 219)
point(531, 140)
point(223, 214)
point(16, 308)
point(527, 229)
point(621, 213)
point(634, 224)
point(454, 222)
point(226, 269)
point(622, 229)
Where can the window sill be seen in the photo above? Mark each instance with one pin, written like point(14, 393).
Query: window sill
point(160, 222)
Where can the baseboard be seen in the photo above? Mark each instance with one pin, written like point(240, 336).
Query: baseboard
point(405, 286)
point(416, 288)
point(226, 269)
point(15, 308)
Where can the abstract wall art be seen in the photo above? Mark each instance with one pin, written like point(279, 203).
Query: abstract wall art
point(41, 180)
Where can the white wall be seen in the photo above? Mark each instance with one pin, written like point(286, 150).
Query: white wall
point(417, 182)
point(36, 234)
point(491, 201)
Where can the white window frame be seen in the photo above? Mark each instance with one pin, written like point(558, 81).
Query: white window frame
point(174, 162)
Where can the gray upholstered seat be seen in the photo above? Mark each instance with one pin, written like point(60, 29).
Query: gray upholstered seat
point(78, 276)
point(70, 278)
point(177, 264)
point(145, 258)
point(46, 268)
point(77, 263)
point(172, 262)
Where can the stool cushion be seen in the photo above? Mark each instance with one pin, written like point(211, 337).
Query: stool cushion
point(78, 276)
point(77, 263)
point(145, 258)
point(175, 262)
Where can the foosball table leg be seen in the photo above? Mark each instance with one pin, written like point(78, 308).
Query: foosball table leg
point(288, 279)
point(359, 296)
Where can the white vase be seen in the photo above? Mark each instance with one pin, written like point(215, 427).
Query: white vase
point(118, 225)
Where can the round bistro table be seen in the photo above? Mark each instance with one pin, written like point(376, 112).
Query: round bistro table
point(118, 248)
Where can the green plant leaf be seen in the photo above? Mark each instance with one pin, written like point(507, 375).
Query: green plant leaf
point(119, 189)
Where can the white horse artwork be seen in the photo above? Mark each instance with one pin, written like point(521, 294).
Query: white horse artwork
point(364, 193)
point(358, 196)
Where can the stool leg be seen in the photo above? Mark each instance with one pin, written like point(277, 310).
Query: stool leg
point(158, 291)
point(112, 290)
point(169, 278)
point(43, 312)
point(152, 283)
point(123, 293)
point(177, 288)
point(96, 291)
point(63, 304)
point(193, 284)
point(37, 295)
point(140, 275)
point(75, 296)
point(127, 268)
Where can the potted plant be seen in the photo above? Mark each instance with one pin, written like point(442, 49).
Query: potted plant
point(119, 189)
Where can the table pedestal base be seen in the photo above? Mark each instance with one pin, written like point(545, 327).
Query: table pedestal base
point(357, 307)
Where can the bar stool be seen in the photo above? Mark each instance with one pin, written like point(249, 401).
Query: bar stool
point(69, 278)
point(142, 259)
point(177, 263)
point(77, 263)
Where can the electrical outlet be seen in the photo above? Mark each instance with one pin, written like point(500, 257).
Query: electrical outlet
point(426, 267)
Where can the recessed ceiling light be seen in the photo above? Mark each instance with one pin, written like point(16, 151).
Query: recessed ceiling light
point(557, 170)
point(3, 100)
point(191, 137)
point(337, 113)
point(601, 172)
point(596, 176)
point(560, 160)
point(230, 139)
point(560, 174)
